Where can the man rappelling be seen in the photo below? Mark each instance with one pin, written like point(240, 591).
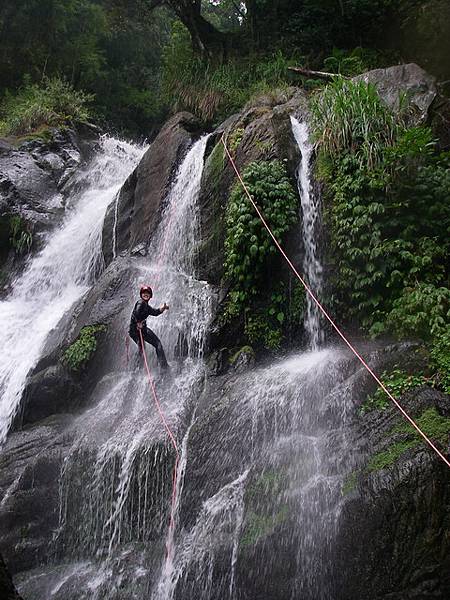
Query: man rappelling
point(138, 324)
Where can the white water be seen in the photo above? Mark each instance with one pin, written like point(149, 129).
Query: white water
point(119, 469)
point(60, 274)
point(172, 270)
point(288, 418)
point(312, 267)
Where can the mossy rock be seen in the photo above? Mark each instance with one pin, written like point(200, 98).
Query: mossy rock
point(435, 426)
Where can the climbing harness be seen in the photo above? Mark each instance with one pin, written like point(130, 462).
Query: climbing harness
point(326, 315)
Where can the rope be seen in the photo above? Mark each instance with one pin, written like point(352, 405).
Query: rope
point(327, 316)
point(173, 442)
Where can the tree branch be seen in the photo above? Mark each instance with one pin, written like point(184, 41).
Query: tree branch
point(315, 74)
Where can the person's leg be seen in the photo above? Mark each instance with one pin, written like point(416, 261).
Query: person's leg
point(134, 335)
point(154, 340)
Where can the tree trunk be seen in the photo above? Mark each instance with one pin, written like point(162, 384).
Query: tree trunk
point(206, 39)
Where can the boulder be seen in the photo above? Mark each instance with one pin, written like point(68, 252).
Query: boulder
point(409, 80)
point(135, 215)
point(262, 131)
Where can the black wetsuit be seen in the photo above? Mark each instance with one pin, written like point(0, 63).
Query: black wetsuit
point(141, 311)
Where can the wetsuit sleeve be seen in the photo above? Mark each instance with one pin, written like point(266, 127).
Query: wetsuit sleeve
point(154, 312)
point(141, 311)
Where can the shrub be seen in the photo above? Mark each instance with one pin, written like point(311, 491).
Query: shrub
point(81, 351)
point(247, 244)
point(387, 208)
point(397, 382)
point(55, 102)
point(350, 116)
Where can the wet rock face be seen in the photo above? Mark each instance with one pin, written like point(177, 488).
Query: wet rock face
point(34, 175)
point(35, 178)
point(30, 464)
point(392, 541)
point(136, 214)
point(7, 589)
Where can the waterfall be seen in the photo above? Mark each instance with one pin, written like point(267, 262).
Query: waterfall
point(115, 486)
point(60, 274)
point(264, 453)
point(288, 478)
point(172, 270)
point(312, 267)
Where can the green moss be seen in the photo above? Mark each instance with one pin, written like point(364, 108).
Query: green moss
point(215, 163)
point(83, 348)
point(259, 526)
point(243, 350)
point(434, 425)
point(268, 484)
point(350, 483)
point(388, 457)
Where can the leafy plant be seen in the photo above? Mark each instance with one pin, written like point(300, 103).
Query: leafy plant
point(397, 382)
point(349, 116)
point(247, 244)
point(83, 348)
point(54, 102)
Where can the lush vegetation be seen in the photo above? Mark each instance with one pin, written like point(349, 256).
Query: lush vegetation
point(52, 103)
point(398, 382)
point(78, 354)
point(388, 214)
point(142, 58)
point(250, 253)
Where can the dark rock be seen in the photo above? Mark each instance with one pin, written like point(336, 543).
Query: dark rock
point(30, 464)
point(50, 391)
point(266, 134)
point(392, 541)
point(34, 183)
point(141, 198)
point(7, 589)
point(51, 387)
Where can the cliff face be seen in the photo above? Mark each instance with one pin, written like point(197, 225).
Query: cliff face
point(281, 478)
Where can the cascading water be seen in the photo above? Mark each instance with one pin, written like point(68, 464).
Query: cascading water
point(312, 267)
point(264, 454)
point(60, 274)
point(115, 486)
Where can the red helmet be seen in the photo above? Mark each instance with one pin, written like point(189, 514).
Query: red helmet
point(146, 289)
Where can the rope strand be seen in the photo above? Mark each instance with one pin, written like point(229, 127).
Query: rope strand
point(327, 316)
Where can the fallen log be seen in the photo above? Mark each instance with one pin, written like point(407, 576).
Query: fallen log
point(315, 74)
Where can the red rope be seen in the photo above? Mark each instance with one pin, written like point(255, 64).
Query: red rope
point(327, 316)
point(174, 444)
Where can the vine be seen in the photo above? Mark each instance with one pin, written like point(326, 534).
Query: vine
point(248, 247)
